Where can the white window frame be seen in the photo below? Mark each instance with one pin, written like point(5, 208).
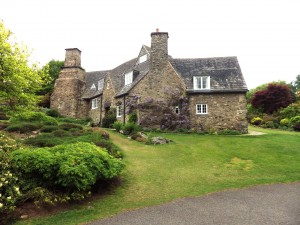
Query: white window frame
point(128, 78)
point(201, 109)
point(177, 110)
point(118, 113)
point(201, 82)
point(143, 58)
point(100, 84)
point(94, 103)
point(93, 87)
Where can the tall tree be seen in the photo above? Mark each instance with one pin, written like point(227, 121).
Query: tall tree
point(276, 96)
point(18, 81)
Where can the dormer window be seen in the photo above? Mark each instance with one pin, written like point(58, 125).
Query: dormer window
point(201, 82)
point(100, 84)
point(143, 58)
point(93, 87)
point(128, 78)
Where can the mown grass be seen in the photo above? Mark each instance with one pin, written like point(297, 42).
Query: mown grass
point(192, 165)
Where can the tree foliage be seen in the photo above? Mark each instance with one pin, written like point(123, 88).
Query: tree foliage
point(276, 96)
point(18, 81)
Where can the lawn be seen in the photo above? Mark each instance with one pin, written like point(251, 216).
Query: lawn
point(193, 165)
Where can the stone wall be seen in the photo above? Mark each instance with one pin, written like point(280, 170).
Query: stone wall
point(225, 111)
point(66, 98)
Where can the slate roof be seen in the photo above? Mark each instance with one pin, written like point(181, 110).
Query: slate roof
point(93, 78)
point(225, 73)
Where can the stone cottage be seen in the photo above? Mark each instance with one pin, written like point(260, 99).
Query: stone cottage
point(164, 92)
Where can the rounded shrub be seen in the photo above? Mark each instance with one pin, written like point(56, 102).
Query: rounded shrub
point(49, 128)
point(23, 127)
point(53, 113)
point(68, 126)
point(117, 125)
point(256, 121)
point(132, 118)
point(33, 117)
point(284, 122)
point(71, 168)
point(294, 120)
point(130, 128)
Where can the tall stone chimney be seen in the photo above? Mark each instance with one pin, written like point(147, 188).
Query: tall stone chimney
point(73, 57)
point(159, 49)
point(66, 97)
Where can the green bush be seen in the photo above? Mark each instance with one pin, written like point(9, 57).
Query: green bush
point(291, 111)
point(130, 128)
point(9, 189)
point(229, 132)
point(61, 133)
point(109, 119)
point(117, 125)
point(73, 120)
point(71, 168)
point(3, 116)
point(111, 148)
point(68, 126)
point(23, 127)
point(44, 140)
point(49, 128)
point(294, 120)
point(256, 121)
point(53, 113)
point(132, 118)
point(284, 122)
point(269, 124)
point(3, 125)
point(33, 117)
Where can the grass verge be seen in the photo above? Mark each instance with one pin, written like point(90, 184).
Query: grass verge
point(193, 165)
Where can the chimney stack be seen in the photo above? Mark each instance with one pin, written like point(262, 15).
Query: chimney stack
point(73, 58)
point(159, 49)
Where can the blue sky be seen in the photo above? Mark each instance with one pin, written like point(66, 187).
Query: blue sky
point(263, 34)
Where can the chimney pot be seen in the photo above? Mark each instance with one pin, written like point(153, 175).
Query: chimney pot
point(157, 30)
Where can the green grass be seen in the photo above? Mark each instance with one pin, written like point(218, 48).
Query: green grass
point(193, 165)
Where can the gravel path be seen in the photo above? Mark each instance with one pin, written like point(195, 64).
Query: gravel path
point(277, 204)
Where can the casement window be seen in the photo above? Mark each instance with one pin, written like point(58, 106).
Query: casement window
point(100, 84)
point(128, 78)
point(93, 87)
point(94, 103)
point(201, 109)
point(119, 113)
point(143, 58)
point(177, 111)
point(201, 82)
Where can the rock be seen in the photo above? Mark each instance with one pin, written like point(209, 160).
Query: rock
point(143, 135)
point(160, 140)
point(24, 217)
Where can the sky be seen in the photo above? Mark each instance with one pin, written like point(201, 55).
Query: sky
point(263, 34)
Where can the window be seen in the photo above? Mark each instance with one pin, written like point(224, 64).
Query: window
point(107, 85)
point(93, 87)
point(143, 58)
point(201, 109)
point(177, 110)
point(94, 103)
point(119, 111)
point(128, 78)
point(100, 84)
point(202, 83)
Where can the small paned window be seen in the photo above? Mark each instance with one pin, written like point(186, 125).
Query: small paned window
point(143, 58)
point(177, 111)
point(94, 103)
point(201, 109)
point(202, 82)
point(128, 78)
point(119, 114)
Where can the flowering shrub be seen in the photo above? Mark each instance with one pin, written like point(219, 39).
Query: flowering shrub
point(256, 121)
point(161, 113)
point(9, 190)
